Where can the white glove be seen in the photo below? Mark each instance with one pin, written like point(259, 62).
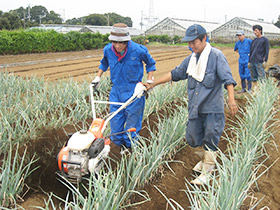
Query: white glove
point(96, 80)
point(150, 81)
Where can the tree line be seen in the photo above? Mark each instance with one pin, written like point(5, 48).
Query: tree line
point(23, 18)
point(42, 41)
point(36, 15)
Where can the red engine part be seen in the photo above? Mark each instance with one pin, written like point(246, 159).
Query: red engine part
point(63, 156)
point(107, 141)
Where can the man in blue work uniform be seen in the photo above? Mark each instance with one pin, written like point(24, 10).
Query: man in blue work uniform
point(125, 59)
point(243, 48)
point(207, 70)
point(258, 54)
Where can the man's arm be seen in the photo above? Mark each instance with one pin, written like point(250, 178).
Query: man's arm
point(150, 75)
point(231, 101)
point(99, 73)
point(165, 78)
point(266, 50)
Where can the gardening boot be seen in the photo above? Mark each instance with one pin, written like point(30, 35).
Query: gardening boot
point(254, 86)
point(249, 84)
point(243, 85)
point(200, 152)
point(208, 166)
point(198, 167)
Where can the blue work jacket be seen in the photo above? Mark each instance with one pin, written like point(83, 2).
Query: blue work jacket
point(207, 96)
point(243, 50)
point(128, 71)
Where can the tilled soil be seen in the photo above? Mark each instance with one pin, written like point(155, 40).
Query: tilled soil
point(82, 66)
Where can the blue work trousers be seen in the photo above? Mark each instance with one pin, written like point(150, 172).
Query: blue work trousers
point(205, 130)
point(130, 117)
point(244, 72)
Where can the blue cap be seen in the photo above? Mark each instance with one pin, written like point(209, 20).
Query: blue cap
point(193, 32)
point(240, 32)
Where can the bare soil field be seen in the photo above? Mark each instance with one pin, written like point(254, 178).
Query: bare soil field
point(82, 66)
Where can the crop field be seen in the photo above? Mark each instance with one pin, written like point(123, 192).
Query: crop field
point(168, 184)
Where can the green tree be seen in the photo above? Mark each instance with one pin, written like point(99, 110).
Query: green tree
point(10, 21)
point(115, 18)
point(75, 21)
point(278, 22)
point(4, 23)
point(21, 12)
point(38, 14)
point(95, 19)
point(53, 17)
point(25, 17)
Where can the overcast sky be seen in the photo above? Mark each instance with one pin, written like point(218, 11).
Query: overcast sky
point(209, 10)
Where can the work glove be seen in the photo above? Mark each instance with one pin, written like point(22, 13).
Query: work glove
point(96, 81)
point(249, 65)
point(264, 64)
point(149, 81)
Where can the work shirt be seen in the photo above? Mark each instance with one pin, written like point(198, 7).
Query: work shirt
point(243, 48)
point(128, 71)
point(259, 50)
point(206, 96)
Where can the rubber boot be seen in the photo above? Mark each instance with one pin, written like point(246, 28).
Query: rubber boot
point(243, 85)
point(200, 153)
point(249, 84)
point(208, 165)
point(254, 86)
point(198, 167)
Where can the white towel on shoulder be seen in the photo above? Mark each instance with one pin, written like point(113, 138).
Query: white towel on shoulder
point(197, 69)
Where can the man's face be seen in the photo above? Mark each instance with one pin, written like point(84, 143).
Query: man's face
point(257, 32)
point(241, 37)
point(197, 45)
point(119, 46)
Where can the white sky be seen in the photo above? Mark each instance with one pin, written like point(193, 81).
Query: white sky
point(209, 10)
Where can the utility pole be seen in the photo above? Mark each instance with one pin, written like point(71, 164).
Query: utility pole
point(28, 12)
point(151, 19)
point(107, 18)
point(24, 19)
point(141, 23)
point(63, 16)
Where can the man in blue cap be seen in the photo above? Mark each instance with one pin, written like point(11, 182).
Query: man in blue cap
point(207, 70)
point(243, 48)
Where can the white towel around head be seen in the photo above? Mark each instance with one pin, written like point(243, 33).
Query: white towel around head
point(197, 69)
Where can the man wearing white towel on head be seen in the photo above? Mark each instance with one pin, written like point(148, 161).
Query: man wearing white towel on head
point(207, 71)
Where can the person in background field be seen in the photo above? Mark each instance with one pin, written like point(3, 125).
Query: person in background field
point(258, 54)
point(207, 70)
point(125, 59)
point(243, 48)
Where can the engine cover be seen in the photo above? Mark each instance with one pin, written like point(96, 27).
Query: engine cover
point(80, 140)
